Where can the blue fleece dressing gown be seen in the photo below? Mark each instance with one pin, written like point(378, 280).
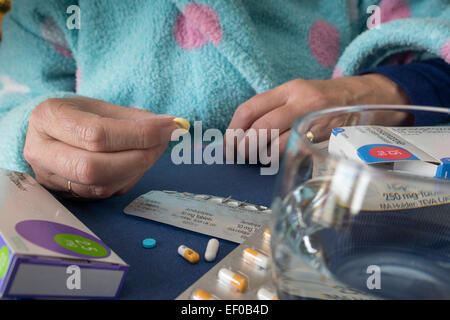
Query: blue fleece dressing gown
point(197, 60)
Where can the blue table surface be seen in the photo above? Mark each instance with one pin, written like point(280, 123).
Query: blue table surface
point(160, 273)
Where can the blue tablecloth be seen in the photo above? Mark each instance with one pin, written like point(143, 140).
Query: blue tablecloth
point(160, 273)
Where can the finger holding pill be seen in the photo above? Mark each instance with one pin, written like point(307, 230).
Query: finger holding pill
point(103, 149)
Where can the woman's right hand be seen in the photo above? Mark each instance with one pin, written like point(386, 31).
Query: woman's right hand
point(101, 148)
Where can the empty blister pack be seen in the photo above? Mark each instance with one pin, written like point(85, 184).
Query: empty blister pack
point(219, 217)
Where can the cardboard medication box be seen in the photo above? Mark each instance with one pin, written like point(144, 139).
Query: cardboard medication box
point(419, 150)
point(46, 252)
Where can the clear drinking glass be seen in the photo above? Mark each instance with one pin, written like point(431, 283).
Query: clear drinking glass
point(342, 229)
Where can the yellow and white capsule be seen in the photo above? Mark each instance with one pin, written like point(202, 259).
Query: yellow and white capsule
point(233, 279)
point(200, 294)
point(256, 257)
point(189, 254)
point(267, 235)
point(266, 294)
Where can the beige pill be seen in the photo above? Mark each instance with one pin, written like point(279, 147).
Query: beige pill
point(182, 123)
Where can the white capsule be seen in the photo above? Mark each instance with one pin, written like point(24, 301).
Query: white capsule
point(216, 200)
point(266, 294)
point(256, 257)
point(233, 203)
point(211, 250)
point(202, 196)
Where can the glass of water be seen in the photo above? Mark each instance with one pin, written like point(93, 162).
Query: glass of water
point(345, 229)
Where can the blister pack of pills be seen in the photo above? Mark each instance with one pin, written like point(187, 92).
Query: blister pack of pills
point(219, 217)
point(244, 274)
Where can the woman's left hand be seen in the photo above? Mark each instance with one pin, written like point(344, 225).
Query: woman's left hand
point(280, 107)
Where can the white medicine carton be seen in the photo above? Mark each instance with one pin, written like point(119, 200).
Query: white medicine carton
point(419, 150)
point(46, 252)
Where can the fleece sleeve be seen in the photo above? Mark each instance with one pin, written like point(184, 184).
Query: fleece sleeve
point(427, 83)
point(389, 30)
point(36, 63)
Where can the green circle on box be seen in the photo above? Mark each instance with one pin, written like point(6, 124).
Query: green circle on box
point(80, 245)
point(4, 259)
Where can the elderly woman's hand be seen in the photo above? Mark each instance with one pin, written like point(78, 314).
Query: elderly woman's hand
point(101, 148)
point(280, 107)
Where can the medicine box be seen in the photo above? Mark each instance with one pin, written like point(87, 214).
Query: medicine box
point(46, 252)
point(419, 150)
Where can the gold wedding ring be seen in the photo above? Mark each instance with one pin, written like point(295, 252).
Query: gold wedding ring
point(69, 189)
